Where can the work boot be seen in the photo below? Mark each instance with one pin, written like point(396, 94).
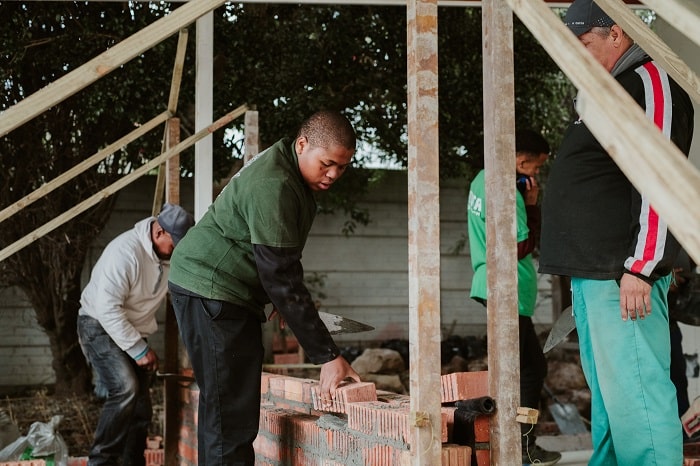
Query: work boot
point(540, 457)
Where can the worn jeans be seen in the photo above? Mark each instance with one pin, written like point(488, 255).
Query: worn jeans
point(224, 344)
point(120, 436)
point(634, 413)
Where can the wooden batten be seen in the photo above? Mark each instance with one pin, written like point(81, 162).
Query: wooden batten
point(103, 64)
point(683, 14)
point(654, 46)
point(117, 185)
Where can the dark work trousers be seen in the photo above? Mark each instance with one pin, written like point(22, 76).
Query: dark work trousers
point(678, 369)
point(120, 436)
point(224, 344)
point(533, 370)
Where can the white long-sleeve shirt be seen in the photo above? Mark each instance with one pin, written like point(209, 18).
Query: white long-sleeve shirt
point(126, 288)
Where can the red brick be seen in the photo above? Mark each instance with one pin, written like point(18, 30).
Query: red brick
point(286, 358)
point(265, 382)
point(481, 429)
point(380, 420)
point(270, 448)
point(456, 455)
point(154, 457)
point(284, 345)
point(483, 457)
point(449, 415)
point(464, 385)
point(79, 461)
point(299, 389)
point(277, 386)
point(345, 395)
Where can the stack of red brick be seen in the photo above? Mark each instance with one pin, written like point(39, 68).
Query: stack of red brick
point(361, 426)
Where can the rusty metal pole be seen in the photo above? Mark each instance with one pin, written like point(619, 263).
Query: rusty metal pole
point(424, 232)
point(501, 254)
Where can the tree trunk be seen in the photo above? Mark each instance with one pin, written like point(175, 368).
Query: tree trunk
point(56, 307)
point(73, 374)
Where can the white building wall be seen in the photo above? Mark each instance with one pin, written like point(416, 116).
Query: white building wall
point(365, 275)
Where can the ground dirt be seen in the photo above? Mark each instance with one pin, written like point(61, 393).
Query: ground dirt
point(80, 413)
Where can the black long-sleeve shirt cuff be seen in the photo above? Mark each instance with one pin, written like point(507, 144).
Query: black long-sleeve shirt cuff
point(282, 277)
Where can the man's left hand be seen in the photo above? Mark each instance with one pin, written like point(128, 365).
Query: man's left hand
point(635, 297)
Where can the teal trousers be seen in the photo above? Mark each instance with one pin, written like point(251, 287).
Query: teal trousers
point(634, 414)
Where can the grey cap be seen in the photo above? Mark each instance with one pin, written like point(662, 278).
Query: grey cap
point(583, 15)
point(175, 220)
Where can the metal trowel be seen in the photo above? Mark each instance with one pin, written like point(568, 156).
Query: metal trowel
point(338, 324)
point(561, 328)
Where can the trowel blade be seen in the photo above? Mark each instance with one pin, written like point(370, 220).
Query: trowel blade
point(338, 324)
point(561, 328)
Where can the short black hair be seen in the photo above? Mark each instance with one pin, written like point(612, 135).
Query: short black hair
point(530, 142)
point(325, 128)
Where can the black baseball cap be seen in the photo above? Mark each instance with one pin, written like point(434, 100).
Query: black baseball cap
point(583, 15)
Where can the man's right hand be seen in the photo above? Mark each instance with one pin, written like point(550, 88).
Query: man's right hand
point(532, 191)
point(149, 362)
point(332, 374)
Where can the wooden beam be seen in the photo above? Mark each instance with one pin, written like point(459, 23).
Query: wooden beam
point(116, 186)
point(103, 64)
point(81, 167)
point(171, 361)
point(178, 67)
point(654, 46)
point(501, 254)
point(172, 165)
point(684, 15)
point(251, 132)
point(423, 231)
point(176, 80)
point(653, 164)
point(203, 111)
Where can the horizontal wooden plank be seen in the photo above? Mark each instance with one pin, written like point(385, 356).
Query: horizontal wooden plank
point(103, 64)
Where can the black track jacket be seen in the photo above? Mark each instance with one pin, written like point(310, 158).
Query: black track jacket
point(595, 224)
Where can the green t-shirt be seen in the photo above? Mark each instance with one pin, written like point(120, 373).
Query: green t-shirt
point(268, 203)
point(476, 226)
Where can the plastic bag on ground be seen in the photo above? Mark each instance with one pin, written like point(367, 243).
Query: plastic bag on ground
point(46, 443)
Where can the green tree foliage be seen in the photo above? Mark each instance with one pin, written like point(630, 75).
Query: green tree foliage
point(42, 41)
point(289, 60)
point(286, 61)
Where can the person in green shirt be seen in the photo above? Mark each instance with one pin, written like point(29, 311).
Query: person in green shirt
point(244, 253)
point(531, 151)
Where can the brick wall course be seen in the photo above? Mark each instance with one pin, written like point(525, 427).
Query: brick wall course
point(376, 432)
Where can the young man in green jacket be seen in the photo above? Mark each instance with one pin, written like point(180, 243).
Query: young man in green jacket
point(246, 252)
